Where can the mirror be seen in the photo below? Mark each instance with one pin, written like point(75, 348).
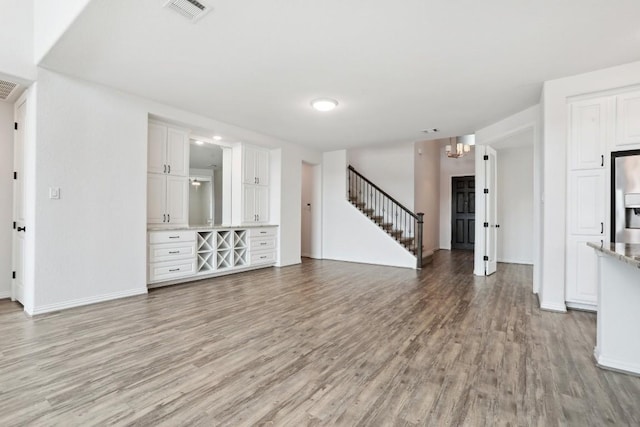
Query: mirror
point(205, 183)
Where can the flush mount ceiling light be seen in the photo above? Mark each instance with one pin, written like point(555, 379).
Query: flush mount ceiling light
point(217, 137)
point(324, 104)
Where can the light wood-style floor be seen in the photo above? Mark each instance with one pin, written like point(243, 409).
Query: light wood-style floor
point(322, 343)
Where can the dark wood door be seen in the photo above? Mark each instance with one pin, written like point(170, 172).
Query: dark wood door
point(463, 212)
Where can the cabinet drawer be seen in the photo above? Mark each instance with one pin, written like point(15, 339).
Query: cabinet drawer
point(260, 244)
point(263, 257)
point(171, 270)
point(171, 251)
point(263, 232)
point(172, 236)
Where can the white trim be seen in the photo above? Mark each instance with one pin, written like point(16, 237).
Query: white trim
point(615, 365)
point(86, 301)
point(559, 308)
point(515, 261)
point(582, 306)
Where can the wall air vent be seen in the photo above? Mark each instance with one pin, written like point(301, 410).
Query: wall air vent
point(6, 89)
point(193, 10)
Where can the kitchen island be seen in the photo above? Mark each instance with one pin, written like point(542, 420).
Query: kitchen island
point(618, 329)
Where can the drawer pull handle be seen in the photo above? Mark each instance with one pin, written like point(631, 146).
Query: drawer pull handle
point(263, 257)
point(174, 252)
point(263, 232)
point(263, 244)
point(172, 270)
point(174, 237)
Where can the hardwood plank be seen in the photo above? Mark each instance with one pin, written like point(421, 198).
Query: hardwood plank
point(321, 343)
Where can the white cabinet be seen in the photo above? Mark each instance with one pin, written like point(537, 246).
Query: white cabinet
point(183, 255)
point(255, 165)
point(628, 119)
point(262, 245)
point(588, 129)
point(255, 204)
point(168, 150)
point(587, 202)
point(167, 178)
point(171, 255)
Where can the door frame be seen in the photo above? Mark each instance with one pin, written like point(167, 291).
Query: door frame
point(24, 125)
point(315, 224)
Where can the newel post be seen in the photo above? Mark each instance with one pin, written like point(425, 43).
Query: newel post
point(419, 239)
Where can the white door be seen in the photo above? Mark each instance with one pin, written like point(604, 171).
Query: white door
point(177, 152)
point(157, 148)
point(262, 204)
point(177, 200)
point(19, 206)
point(491, 209)
point(156, 198)
point(248, 203)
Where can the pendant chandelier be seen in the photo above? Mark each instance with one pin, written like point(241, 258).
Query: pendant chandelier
point(462, 146)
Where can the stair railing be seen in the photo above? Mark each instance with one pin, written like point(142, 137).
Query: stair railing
point(398, 221)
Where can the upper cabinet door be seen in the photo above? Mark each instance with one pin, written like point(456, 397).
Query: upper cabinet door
point(157, 148)
point(249, 165)
point(588, 134)
point(628, 123)
point(262, 167)
point(262, 204)
point(177, 152)
point(177, 200)
point(156, 198)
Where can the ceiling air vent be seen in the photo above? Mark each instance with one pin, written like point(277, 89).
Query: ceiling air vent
point(6, 89)
point(190, 9)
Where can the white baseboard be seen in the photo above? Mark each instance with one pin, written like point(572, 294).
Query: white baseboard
point(559, 308)
point(86, 301)
point(5, 294)
point(616, 365)
point(582, 307)
point(515, 261)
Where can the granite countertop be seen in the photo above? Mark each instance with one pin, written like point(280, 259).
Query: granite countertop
point(625, 252)
point(208, 227)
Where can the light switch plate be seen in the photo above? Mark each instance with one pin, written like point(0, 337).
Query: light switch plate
point(54, 193)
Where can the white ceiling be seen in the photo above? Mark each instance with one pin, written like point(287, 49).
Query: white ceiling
point(395, 67)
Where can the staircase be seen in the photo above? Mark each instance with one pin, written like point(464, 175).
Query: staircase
point(395, 219)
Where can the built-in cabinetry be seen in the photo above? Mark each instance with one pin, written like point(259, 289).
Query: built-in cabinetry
point(253, 205)
point(597, 126)
point(167, 175)
point(183, 255)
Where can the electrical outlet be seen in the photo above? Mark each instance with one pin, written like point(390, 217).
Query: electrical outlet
point(54, 193)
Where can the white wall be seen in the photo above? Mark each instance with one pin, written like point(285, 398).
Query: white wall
point(348, 235)
point(16, 33)
point(464, 166)
point(91, 244)
point(554, 101)
point(501, 133)
point(52, 19)
point(427, 191)
point(6, 196)
point(390, 168)
point(515, 204)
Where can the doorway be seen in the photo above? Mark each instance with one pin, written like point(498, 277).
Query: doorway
point(310, 212)
point(463, 209)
